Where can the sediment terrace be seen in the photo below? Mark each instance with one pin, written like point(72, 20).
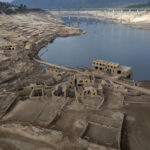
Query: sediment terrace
point(44, 108)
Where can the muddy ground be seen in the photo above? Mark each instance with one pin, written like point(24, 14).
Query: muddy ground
point(31, 117)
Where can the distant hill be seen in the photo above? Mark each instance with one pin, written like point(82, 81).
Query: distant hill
point(10, 8)
point(76, 3)
point(142, 5)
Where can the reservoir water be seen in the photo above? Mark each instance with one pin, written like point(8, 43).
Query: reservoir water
point(103, 40)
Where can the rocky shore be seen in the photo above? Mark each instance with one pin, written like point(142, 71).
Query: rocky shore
point(48, 107)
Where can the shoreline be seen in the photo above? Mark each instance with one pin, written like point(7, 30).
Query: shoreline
point(38, 109)
point(140, 20)
point(29, 50)
point(33, 53)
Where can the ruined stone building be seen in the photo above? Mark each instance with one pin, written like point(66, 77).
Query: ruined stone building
point(113, 86)
point(82, 80)
point(112, 68)
point(64, 91)
point(89, 91)
point(37, 92)
point(9, 47)
point(90, 96)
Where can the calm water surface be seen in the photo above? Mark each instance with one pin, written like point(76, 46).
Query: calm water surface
point(107, 41)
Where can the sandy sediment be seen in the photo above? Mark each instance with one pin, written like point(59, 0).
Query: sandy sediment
point(38, 107)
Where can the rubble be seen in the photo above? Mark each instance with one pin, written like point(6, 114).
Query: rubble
point(44, 106)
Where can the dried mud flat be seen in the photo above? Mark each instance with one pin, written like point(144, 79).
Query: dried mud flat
point(38, 106)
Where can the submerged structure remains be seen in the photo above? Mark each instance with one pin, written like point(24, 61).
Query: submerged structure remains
point(112, 68)
point(87, 91)
point(44, 106)
point(9, 47)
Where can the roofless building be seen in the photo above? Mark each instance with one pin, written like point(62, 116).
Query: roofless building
point(112, 68)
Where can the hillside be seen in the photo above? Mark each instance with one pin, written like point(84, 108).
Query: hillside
point(10, 8)
point(143, 5)
point(76, 3)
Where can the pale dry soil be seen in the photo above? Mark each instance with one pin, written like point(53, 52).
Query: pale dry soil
point(51, 122)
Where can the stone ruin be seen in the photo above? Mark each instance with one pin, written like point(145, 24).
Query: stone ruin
point(112, 68)
point(37, 92)
point(10, 47)
point(87, 91)
point(83, 79)
point(103, 136)
point(64, 91)
point(113, 86)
